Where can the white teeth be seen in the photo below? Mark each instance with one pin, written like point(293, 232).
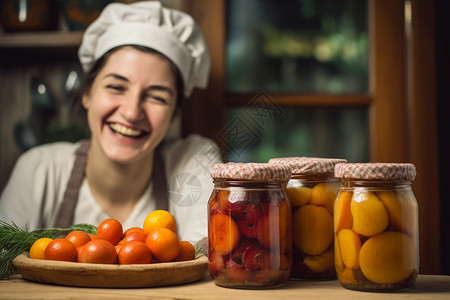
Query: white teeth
point(125, 130)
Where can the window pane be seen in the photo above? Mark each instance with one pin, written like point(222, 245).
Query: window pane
point(313, 132)
point(297, 46)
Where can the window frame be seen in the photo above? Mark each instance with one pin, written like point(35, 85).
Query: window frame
point(401, 100)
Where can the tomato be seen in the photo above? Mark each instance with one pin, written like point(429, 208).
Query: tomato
point(134, 236)
point(79, 251)
point(78, 238)
point(98, 252)
point(118, 247)
point(133, 229)
point(164, 244)
point(60, 249)
point(134, 252)
point(110, 230)
point(187, 251)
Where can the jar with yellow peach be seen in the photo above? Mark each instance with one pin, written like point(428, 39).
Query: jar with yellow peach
point(312, 191)
point(376, 227)
point(249, 226)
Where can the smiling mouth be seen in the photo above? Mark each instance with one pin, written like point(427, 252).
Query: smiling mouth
point(126, 131)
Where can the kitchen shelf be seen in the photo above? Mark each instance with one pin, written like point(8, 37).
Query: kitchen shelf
point(48, 39)
point(38, 47)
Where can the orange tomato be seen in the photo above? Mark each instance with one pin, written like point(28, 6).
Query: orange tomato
point(133, 229)
point(98, 252)
point(79, 251)
point(187, 252)
point(37, 250)
point(92, 236)
point(159, 218)
point(134, 236)
point(164, 244)
point(118, 247)
point(78, 238)
point(110, 230)
point(134, 252)
point(60, 249)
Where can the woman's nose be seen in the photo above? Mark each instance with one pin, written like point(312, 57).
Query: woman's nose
point(131, 108)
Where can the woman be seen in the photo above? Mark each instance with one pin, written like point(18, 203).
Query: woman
point(141, 61)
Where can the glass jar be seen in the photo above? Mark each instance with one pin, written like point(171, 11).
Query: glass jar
point(312, 191)
point(249, 226)
point(376, 227)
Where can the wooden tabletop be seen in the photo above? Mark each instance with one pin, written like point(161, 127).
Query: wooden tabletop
point(427, 287)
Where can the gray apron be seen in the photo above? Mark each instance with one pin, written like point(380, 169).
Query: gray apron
point(67, 210)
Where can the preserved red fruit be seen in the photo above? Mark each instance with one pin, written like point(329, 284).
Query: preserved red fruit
point(250, 237)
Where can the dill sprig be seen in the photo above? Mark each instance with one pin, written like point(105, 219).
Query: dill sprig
point(198, 250)
point(15, 241)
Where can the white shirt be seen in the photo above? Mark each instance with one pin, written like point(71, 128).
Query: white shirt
point(33, 195)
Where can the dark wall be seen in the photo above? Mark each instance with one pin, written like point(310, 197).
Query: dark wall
point(443, 112)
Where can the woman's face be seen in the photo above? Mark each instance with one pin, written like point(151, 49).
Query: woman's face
point(131, 103)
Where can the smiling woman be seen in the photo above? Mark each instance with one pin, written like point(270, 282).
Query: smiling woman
point(127, 115)
point(141, 60)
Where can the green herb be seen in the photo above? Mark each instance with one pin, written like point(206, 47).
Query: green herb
point(15, 241)
point(198, 250)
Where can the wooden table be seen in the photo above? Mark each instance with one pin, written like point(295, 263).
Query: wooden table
point(427, 287)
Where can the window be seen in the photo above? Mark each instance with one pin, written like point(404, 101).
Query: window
point(296, 47)
point(399, 105)
point(306, 46)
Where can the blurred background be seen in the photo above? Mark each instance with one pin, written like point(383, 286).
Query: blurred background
point(353, 79)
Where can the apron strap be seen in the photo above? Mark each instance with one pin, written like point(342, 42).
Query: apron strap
point(160, 190)
point(67, 210)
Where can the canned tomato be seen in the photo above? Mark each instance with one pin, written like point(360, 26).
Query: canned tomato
point(249, 226)
point(376, 227)
point(312, 191)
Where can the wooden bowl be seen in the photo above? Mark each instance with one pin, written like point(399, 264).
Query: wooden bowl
point(111, 276)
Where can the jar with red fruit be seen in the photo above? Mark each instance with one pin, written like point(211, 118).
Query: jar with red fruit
point(312, 191)
point(249, 230)
point(376, 227)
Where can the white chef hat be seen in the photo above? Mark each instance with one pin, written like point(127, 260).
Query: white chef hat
point(170, 32)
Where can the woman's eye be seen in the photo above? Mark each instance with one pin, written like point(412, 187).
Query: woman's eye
point(156, 98)
point(115, 87)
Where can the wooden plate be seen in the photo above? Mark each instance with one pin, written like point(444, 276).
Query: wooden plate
point(111, 276)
